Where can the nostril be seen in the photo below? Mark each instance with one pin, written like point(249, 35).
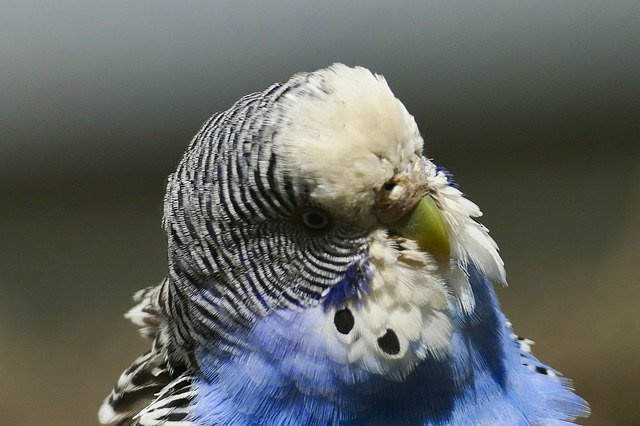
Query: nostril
point(389, 186)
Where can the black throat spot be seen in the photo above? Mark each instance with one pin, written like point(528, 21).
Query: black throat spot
point(344, 321)
point(389, 343)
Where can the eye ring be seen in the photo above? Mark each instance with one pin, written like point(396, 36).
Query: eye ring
point(315, 219)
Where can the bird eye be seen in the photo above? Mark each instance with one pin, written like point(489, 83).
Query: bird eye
point(315, 219)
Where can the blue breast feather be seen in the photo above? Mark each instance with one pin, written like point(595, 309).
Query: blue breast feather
point(289, 379)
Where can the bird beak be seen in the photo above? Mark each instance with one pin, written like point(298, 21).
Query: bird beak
point(426, 226)
point(406, 208)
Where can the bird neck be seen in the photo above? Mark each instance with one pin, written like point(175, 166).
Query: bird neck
point(289, 369)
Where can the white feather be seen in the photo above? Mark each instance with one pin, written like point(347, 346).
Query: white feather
point(348, 134)
point(408, 297)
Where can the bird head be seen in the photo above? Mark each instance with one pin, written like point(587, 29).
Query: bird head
point(316, 195)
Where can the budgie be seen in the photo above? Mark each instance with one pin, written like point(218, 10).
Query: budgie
point(323, 270)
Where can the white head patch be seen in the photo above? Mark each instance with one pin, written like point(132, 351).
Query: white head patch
point(345, 132)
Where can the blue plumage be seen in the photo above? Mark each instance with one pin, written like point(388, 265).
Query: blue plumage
point(350, 287)
point(290, 376)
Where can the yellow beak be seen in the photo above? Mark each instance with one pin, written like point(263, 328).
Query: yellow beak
point(425, 225)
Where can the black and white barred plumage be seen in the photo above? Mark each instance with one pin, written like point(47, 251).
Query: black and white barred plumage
point(227, 215)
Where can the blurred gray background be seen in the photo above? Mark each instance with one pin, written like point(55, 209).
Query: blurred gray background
point(533, 105)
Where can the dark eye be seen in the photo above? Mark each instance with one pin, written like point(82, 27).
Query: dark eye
point(315, 219)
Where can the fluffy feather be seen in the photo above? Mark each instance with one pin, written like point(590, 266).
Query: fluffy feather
point(347, 134)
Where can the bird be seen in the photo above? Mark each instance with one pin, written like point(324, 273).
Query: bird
point(323, 270)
